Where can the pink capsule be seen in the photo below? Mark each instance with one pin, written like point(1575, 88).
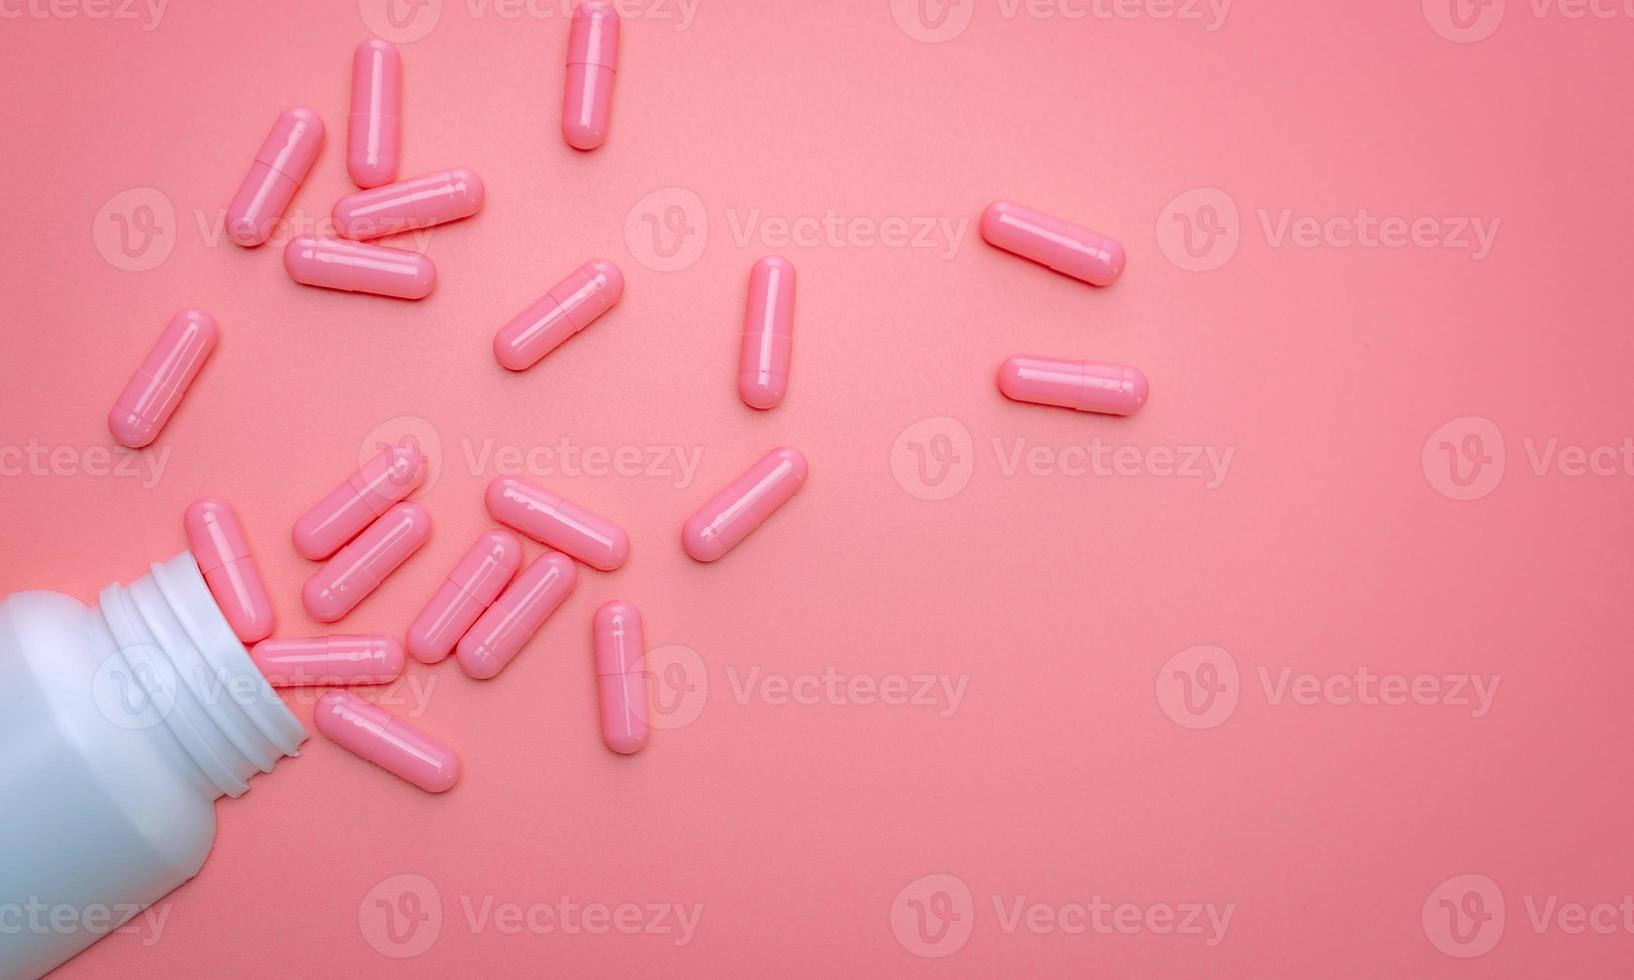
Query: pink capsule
point(730, 515)
point(374, 127)
point(356, 267)
point(768, 333)
point(157, 387)
point(360, 567)
point(592, 64)
point(516, 615)
point(1088, 386)
point(386, 740)
point(223, 555)
point(419, 202)
point(547, 518)
point(325, 661)
point(1060, 245)
point(469, 589)
point(570, 306)
point(620, 676)
point(280, 166)
point(387, 477)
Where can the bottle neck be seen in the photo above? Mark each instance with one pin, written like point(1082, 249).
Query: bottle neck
point(196, 679)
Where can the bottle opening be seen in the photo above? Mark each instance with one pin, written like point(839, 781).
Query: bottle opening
point(183, 668)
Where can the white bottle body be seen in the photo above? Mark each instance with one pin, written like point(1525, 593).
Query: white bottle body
point(120, 725)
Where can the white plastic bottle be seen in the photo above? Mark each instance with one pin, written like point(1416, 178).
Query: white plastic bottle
point(120, 726)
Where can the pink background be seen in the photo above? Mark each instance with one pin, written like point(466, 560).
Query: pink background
point(1334, 542)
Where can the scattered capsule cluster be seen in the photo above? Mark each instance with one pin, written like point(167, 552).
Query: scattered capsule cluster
point(489, 606)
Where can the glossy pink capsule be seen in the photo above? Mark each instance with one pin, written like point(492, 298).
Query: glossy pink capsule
point(516, 615)
point(419, 202)
point(325, 661)
point(387, 477)
point(570, 306)
point(592, 64)
point(377, 735)
point(1060, 245)
point(730, 515)
point(360, 567)
point(356, 267)
point(547, 518)
point(768, 333)
point(218, 545)
point(620, 676)
point(470, 588)
point(1088, 386)
point(157, 387)
point(375, 125)
point(280, 166)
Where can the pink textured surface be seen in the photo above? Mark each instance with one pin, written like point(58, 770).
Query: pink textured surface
point(1072, 766)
